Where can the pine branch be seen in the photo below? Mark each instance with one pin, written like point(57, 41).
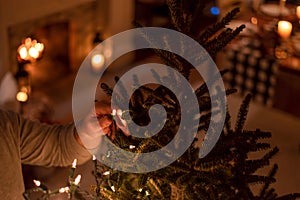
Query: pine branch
point(206, 35)
point(243, 111)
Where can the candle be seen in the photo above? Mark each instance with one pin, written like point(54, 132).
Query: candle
point(298, 11)
point(284, 29)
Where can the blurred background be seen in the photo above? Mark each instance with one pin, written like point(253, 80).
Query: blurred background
point(43, 44)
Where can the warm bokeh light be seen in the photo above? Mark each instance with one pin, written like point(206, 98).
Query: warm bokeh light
point(285, 29)
point(39, 47)
point(23, 52)
point(22, 96)
point(30, 50)
point(254, 20)
point(64, 189)
point(33, 52)
point(298, 12)
point(98, 61)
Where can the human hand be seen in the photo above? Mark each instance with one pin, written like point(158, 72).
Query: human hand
point(100, 121)
point(96, 124)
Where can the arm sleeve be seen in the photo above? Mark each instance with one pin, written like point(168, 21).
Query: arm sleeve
point(49, 145)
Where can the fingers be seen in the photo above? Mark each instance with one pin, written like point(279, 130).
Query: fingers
point(122, 124)
point(104, 115)
point(102, 108)
point(104, 121)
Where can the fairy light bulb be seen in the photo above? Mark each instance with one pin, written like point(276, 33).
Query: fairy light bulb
point(77, 179)
point(106, 173)
point(64, 190)
point(147, 193)
point(113, 188)
point(37, 183)
point(74, 163)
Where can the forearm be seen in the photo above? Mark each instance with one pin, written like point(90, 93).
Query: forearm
point(55, 145)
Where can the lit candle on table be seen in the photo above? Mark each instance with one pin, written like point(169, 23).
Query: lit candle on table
point(284, 29)
point(298, 12)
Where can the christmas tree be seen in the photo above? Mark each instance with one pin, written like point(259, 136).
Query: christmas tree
point(227, 172)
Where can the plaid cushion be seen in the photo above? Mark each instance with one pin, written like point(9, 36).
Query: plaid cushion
point(251, 72)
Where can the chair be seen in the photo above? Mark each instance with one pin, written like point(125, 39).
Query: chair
point(251, 71)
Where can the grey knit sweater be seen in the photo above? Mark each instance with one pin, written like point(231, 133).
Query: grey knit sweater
point(34, 143)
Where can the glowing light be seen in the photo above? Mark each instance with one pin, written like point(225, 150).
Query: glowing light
point(64, 189)
point(298, 11)
point(140, 190)
point(131, 146)
point(113, 188)
point(22, 96)
point(39, 47)
point(33, 52)
point(285, 29)
point(94, 157)
point(23, 52)
point(215, 10)
point(114, 112)
point(106, 173)
point(77, 179)
point(147, 193)
point(27, 42)
point(30, 49)
point(37, 183)
point(74, 163)
point(254, 20)
point(98, 61)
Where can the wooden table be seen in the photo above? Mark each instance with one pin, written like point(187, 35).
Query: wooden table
point(287, 90)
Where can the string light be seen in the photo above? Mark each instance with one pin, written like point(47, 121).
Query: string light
point(113, 188)
point(74, 163)
point(64, 190)
point(147, 193)
point(77, 179)
point(72, 170)
point(37, 183)
point(106, 173)
point(40, 185)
